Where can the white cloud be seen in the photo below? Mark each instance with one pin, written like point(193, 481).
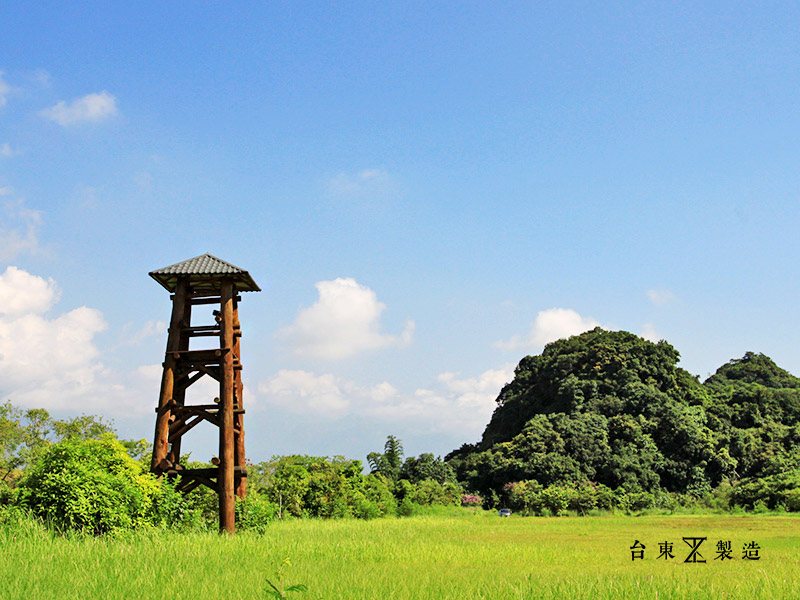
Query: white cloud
point(53, 361)
point(86, 197)
point(304, 392)
point(550, 325)
point(92, 108)
point(368, 184)
point(649, 333)
point(660, 297)
point(19, 228)
point(21, 292)
point(344, 321)
point(152, 328)
point(42, 77)
point(5, 91)
point(451, 406)
point(6, 151)
point(37, 353)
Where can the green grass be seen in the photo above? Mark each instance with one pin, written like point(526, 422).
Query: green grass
point(463, 557)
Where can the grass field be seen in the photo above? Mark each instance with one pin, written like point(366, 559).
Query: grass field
point(462, 557)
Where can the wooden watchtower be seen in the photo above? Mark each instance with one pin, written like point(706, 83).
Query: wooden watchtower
point(204, 280)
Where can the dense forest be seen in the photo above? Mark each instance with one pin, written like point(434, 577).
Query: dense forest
point(607, 410)
point(604, 420)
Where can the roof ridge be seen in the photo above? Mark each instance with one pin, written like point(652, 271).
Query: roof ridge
point(207, 255)
point(202, 270)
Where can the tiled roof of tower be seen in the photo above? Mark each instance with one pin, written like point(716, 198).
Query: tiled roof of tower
point(205, 273)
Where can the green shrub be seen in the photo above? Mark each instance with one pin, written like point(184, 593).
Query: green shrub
point(6, 494)
point(639, 500)
point(403, 489)
point(555, 500)
point(255, 512)
point(791, 499)
point(429, 492)
point(364, 508)
point(769, 492)
point(90, 485)
point(720, 497)
point(583, 498)
point(406, 508)
point(426, 492)
point(377, 489)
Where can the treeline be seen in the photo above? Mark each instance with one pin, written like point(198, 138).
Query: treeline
point(76, 475)
point(607, 419)
point(310, 486)
point(603, 421)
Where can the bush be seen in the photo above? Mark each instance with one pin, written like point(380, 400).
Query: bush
point(90, 485)
point(6, 494)
point(769, 492)
point(376, 489)
point(555, 500)
point(407, 508)
point(255, 512)
point(583, 498)
point(364, 508)
point(470, 500)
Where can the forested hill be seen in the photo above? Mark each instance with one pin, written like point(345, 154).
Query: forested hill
point(611, 408)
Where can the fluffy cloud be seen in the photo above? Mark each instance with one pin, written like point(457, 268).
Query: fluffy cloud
point(649, 333)
point(21, 292)
point(38, 353)
point(19, 230)
point(344, 321)
point(6, 151)
point(5, 90)
point(305, 392)
point(660, 297)
point(42, 77)
point(152, 328)
point(550, 325)
point(52, 361)
point(91, 108)
point(452, 406)
point(368, 184)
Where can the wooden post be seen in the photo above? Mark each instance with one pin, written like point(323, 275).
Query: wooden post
point(179, 395)
point(239, 460)
point(227, 499)
point(161, 438)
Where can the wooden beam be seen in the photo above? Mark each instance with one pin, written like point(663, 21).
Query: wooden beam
point(185, 382)
point(160, 438)
point(188, 486)
point(239, 453)
point(200, 356)
point(214, 328)
point(211, 372)
point(211, 408)
point(200, 331)
point(179, 393)
point(225, 480)
point(184, 428)
point(208, 472)
point(209, 299)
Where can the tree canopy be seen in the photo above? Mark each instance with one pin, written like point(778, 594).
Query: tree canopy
point(611, 408)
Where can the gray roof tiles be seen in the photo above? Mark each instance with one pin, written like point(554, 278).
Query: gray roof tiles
point(204, 273)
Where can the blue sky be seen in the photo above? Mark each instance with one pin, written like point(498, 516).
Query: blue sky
point(426, 192)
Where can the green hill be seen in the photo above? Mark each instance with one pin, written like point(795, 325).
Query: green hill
point(610, 408)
